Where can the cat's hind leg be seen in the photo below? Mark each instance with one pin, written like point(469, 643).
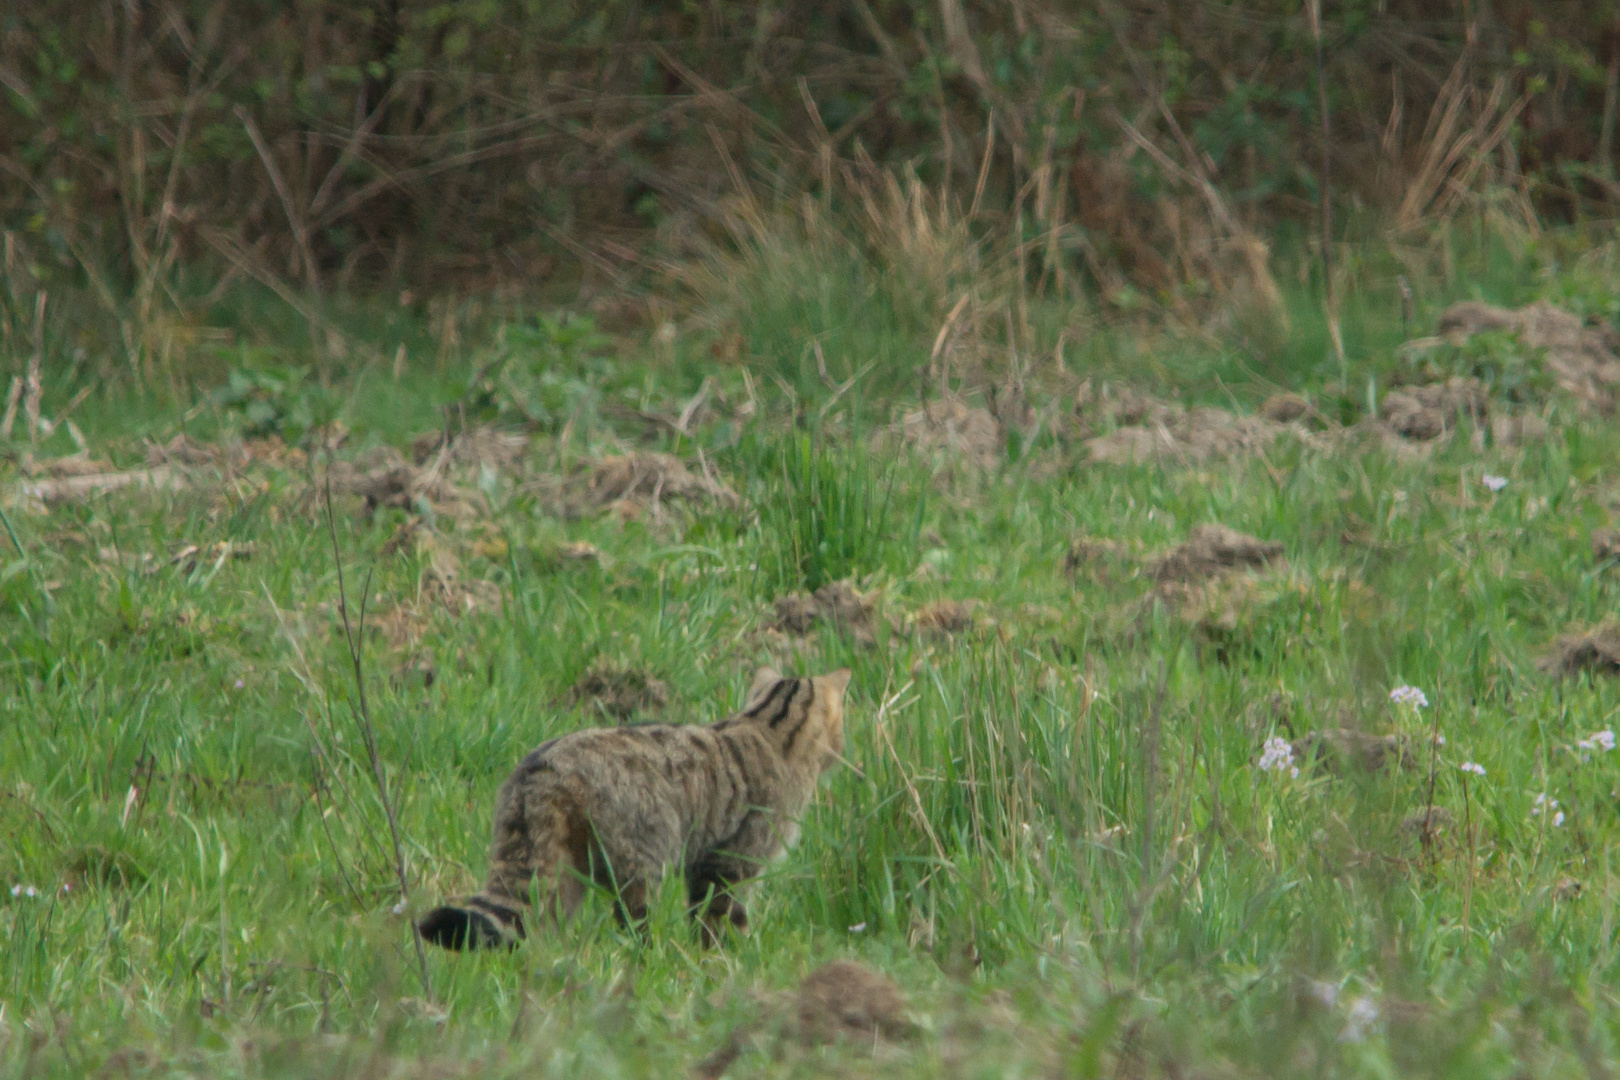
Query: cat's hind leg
point(541, 830)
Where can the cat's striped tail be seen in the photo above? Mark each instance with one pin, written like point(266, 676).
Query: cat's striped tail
point(478, 922)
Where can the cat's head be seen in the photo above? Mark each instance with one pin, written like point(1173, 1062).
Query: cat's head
point(806, 716)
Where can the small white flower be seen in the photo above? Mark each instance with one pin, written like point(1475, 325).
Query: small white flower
point(1276, 755)
point(1598, 740)
point(1326, 994)
point(1408, 695)
point(1495, 483)
point(24, 890)
point(1473, 767)
point(399, 908)
point(1545, 802)
point(1362, 1016)
point(857, 928)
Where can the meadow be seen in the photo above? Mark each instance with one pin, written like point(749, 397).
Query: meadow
point(1106, 811)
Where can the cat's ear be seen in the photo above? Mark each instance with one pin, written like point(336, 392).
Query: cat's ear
point(765, 678)
point(836, 683)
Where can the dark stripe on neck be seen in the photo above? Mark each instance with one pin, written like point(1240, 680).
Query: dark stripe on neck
point(787, 706)
point(769, 697)
point(804, 718)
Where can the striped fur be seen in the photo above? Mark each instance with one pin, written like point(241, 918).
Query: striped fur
point(621, 806)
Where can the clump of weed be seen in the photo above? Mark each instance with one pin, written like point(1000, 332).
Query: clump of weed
point(274, 400)
point(98, 867)
point(828, 515)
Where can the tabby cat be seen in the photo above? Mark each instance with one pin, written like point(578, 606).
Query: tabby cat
point(619, 806)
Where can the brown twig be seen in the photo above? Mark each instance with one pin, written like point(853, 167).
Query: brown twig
point(354, 637)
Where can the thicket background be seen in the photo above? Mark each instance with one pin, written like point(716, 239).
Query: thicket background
point(1139, 152)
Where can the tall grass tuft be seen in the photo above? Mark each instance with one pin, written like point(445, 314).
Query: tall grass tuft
point(830, 514)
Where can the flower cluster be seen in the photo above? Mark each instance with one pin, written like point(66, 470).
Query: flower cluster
point(1277, 755)
point(24, 890)
point(1408, 695)
point(1472, 766)
point(1545, 802)
point(1362, 1015)
point(1495, 483)
point(1598, 740)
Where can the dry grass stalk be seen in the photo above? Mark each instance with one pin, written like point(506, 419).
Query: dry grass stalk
point(1453, 152)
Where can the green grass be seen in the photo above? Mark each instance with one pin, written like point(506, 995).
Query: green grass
point(1051, 831)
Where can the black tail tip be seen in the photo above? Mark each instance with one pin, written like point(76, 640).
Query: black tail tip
point(458, 928)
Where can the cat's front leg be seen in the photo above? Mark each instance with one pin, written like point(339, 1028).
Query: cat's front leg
point(714, 886)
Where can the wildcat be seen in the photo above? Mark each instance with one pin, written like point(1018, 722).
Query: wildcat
point(619, 806)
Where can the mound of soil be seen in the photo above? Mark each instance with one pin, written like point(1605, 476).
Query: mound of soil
point(643, 479)
point(837, 602)
point(475, 447)
point(1212, 550)
point(1422, 413)
point(1340, 749)
point(1095, 557)
point(1132, 428)
point(1428, 823)
point(1606, 545)
point(1286, 408)
point(950, 428)
point(1581, 358)
point(617, 690)
point(444, 584)
point(383, 478)
point(846, 1000)
point(946, 617)
point(1597, 651)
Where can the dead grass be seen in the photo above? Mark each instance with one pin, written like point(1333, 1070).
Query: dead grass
point(633, 485)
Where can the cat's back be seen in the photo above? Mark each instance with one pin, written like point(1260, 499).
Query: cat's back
point(699, 769)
